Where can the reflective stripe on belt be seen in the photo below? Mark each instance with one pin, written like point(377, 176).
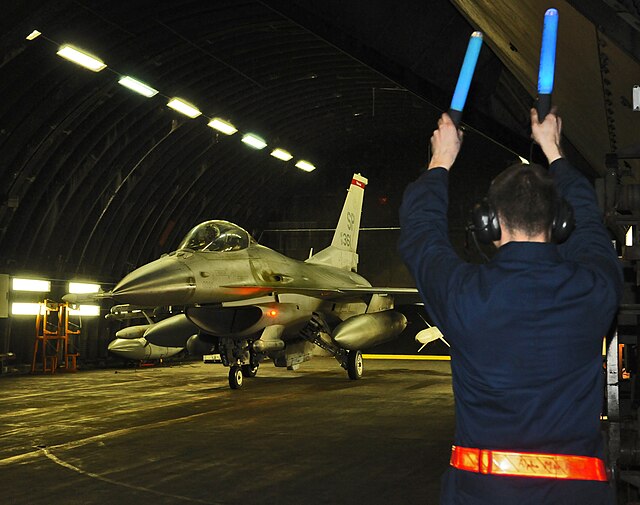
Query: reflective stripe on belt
point(521, 464)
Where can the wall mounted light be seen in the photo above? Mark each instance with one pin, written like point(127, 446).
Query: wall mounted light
point(85, 310)
point(36, 285)
point(83, 287)
point(25, 309)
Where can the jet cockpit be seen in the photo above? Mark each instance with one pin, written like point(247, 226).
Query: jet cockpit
point(216, 236)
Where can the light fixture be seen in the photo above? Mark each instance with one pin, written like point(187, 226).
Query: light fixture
point(254, 141)
point(39, 286)
point(83, 287)
point(137, 86)
point(222, 126)
point(81, 58)
point(184, 108)
point(85, 310)
point(305, 165)
point(628, 239)
point(25, 309)
point(281, 154)
point(33, 35)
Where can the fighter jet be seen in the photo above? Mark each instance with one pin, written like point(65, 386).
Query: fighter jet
point(246, 302)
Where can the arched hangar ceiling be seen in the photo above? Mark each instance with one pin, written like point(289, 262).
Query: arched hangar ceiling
point(97, 180)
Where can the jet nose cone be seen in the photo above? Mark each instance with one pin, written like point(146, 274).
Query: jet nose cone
point(166, 281)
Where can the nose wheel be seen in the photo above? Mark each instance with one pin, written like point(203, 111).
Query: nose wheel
point(235, 377)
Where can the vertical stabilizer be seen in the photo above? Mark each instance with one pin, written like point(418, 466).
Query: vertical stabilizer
point(342, 251)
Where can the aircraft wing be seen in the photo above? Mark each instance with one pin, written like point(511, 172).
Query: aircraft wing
point(375, 290)
point(402, 295)
point(328, 293)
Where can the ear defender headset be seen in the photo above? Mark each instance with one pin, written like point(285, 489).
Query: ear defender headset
point(486, 226)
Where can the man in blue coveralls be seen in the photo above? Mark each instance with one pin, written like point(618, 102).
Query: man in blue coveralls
point(525, 329)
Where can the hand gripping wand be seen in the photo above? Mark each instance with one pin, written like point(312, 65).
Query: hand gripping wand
point(547, 63)
point(464, 79)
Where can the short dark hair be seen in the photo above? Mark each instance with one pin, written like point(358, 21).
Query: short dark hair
point(525, 198)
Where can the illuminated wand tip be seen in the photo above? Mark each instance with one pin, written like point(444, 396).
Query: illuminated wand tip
point(546, 70)
point(464, 78)
point(548, 52)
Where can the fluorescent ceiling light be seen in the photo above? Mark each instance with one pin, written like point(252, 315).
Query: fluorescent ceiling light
point(25, 309)
point(281, 154)
point(184, 108)
point(305, 165)
point(222, 126)
point(628, 239)
point(34, 35)
point(254, 141)
point(137, 86)
point(36, 285)
point(81, 58)
point(83, 287)
point(85, 310)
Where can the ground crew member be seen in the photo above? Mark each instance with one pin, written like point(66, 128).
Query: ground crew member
point(525, 329)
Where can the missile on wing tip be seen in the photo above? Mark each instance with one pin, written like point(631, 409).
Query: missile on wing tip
point(465, 76)
point(366, 330)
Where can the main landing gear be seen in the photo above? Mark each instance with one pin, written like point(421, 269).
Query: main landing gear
point(355, 365)
point(351, 361)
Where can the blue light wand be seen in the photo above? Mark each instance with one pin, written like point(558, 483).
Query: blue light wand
point(464, 79)
point(547, 63)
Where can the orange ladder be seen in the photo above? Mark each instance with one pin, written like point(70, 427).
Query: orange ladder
point(53, 332)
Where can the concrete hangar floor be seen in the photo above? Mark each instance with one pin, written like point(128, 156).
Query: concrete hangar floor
point(178, 434)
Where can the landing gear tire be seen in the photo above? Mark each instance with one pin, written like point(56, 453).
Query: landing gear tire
point(355, 365)
point(235, 377)
point(249, 370)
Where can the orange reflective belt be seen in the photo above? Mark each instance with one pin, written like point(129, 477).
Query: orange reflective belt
point(521, 464)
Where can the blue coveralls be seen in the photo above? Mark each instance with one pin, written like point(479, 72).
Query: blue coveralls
point(526, 335)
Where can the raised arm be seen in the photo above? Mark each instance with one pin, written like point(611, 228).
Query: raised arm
point(424, 241)
point(589, 244)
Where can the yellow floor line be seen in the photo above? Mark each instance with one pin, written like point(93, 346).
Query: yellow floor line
point(415, 357)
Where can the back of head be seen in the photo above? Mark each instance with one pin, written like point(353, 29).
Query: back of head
point(525, 198)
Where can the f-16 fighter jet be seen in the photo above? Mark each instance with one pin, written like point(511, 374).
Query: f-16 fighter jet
point(247, 302)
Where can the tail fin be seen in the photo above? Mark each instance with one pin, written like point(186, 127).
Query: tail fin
point(342, 251)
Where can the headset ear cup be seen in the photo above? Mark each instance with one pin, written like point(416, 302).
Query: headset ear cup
point(486, 225)
point(563, 222)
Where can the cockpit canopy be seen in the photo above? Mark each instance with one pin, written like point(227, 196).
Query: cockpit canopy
point(216, 236)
